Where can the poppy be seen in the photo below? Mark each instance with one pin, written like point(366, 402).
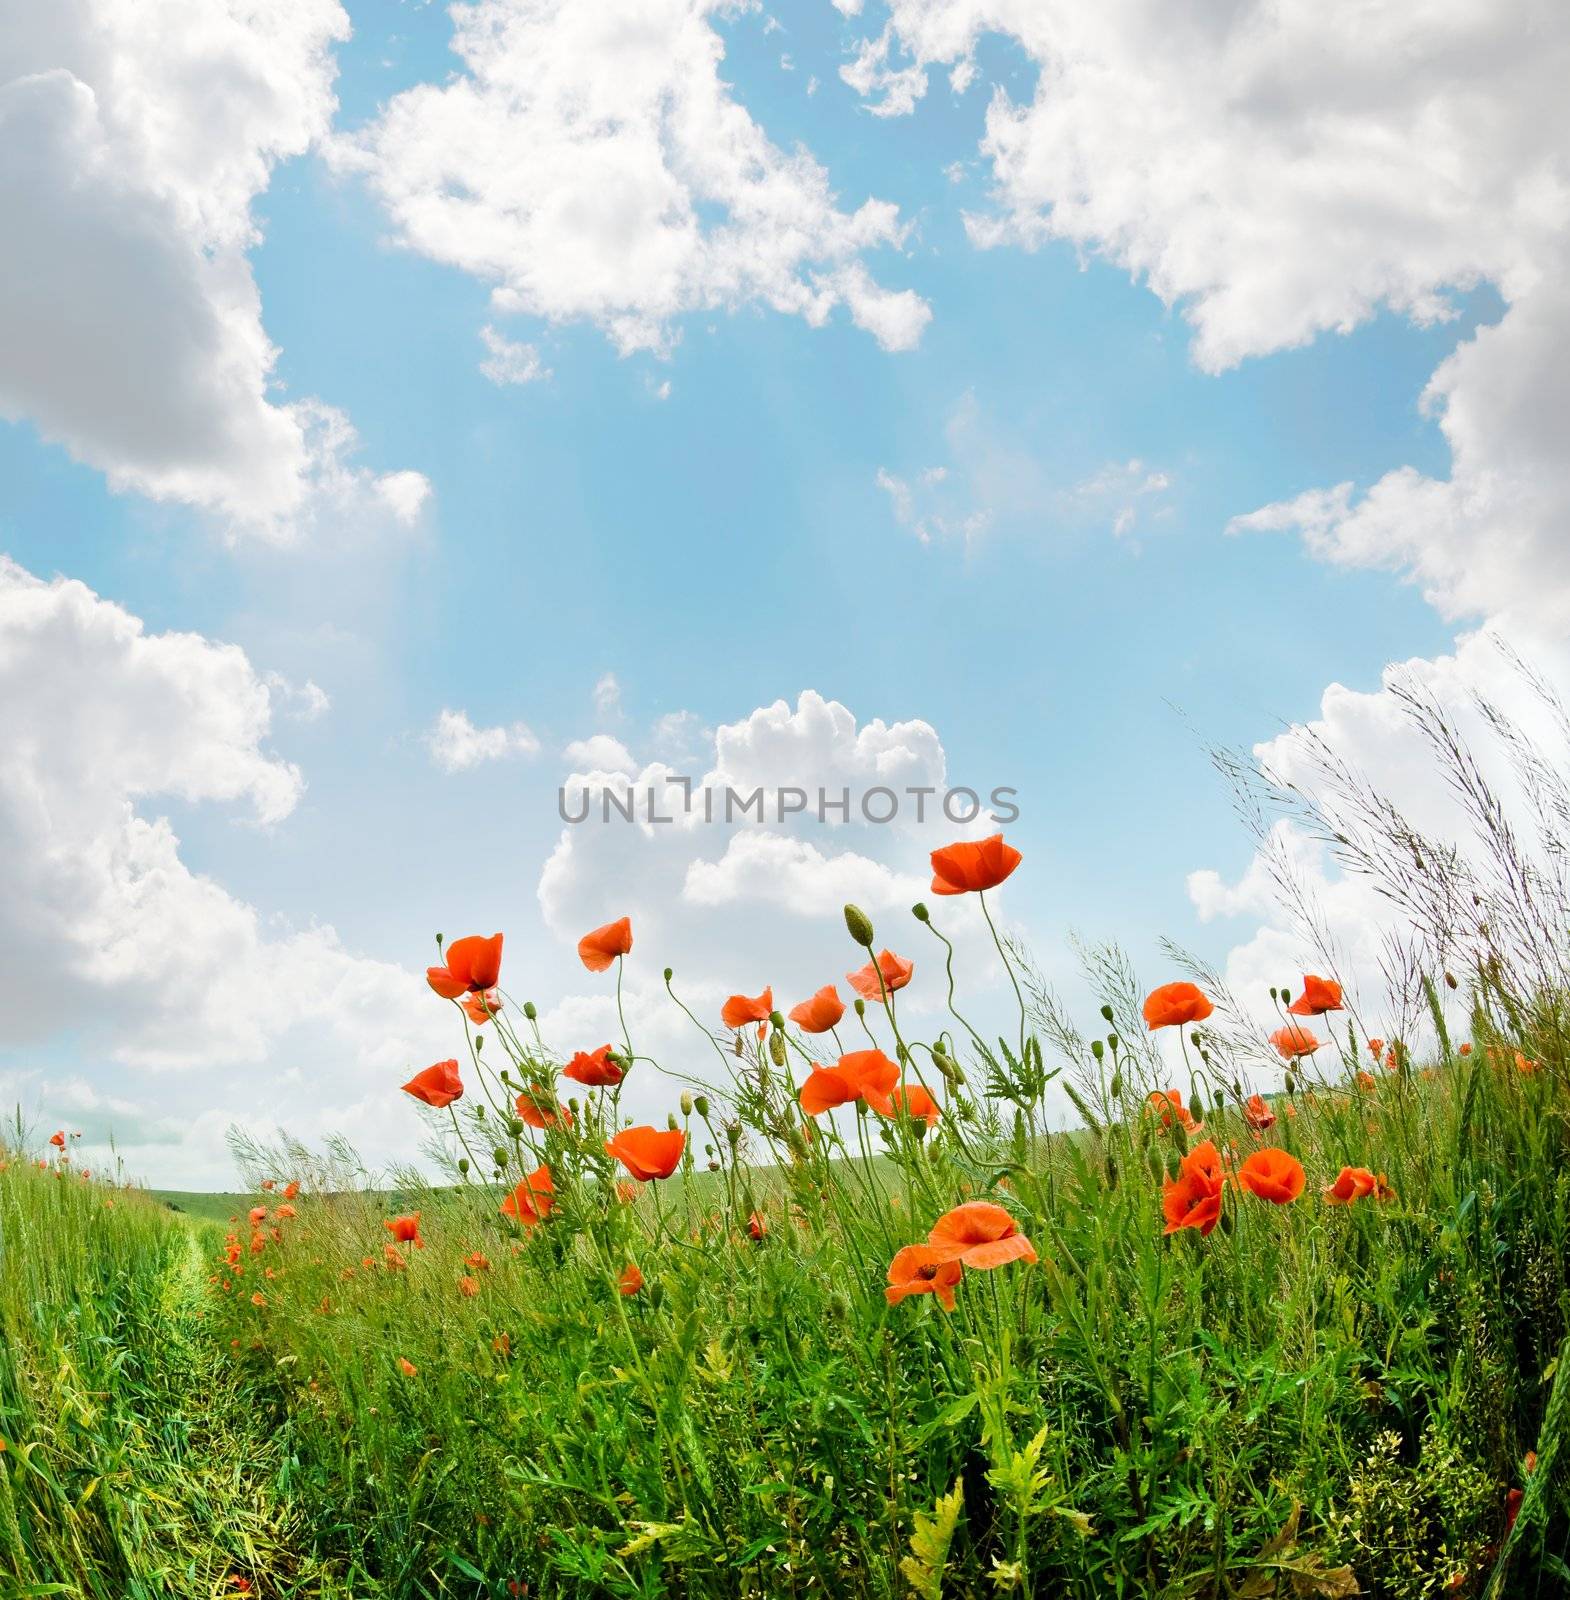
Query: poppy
point(862, 1075)
point(1367, 1082)
point(258, 1299)
point(407, 1367)
point(1524, 1063)
point(1174, 1004)
point(1382, 1190)
point(1319, 996)
point(757, 1225)
point(291, 1190)
point(593, 1067)
point(648, 1152)
point(534, 1108)
point(268, 1184)
point(1193, 1198)
point(1376, 1048)
point(919, 1270)
point(531, 1200)
point(239, 1584)
point(738, 1011)
point(1465, 1050)
point(822, 1012)
point(468, 1287)
point(480, 1263)
point(598, 949)
point(286, 1211)
point(631, 1279)
point(1167, 1104)
point(1352, 1183)
point(258, 1214)
point(1272, 1175)
point(896, 971)
point(473, 964)
point(915, 1101)
point(57, 1140)
point(406, 1229)
point(1257, 1114)
point(979, 1234)
point(1293, 1041)
point(480, 1008)
point(971, 867)
point(436, 1086)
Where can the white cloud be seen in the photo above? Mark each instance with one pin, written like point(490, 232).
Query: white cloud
point(590, 162)
point(131, 150)
point(456, 745)
point(607, 698)
point(510, 362)
point(303, 702)
point(600, 753)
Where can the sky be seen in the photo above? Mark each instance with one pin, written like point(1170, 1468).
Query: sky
point(411, 414)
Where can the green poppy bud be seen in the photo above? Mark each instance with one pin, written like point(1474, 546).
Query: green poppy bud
point(777, 1049)
point(1097, 1049)
point(463, 1165)
point(701, 1105)
point(1116, 1085)
point(859, 926)
point(1106, 1012)
point(920, 912)
point(529, 1011)
point(499, 1155)
point(671, 1122)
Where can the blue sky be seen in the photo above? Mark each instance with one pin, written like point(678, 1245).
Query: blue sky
point(707, 525)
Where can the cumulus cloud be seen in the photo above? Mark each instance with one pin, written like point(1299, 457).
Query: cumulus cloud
point(507, 361)
point(589, 162)
point(600, 753)
point(456, 745)
point(131, 151)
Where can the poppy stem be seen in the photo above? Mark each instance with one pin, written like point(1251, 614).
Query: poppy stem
point(1008, 967)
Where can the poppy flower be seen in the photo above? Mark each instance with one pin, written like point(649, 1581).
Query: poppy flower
point(1168, 1104)
point(631, 1279)
point(406, 1229)
point(1352, 1183)
point(1193, 1198)
point(915, 1101)
point(534, 1108)
point(480, 1263)
point(599, 949)
point(291, 1190)
point(757, 1225)
point(258, 1299)
point(919, 1270)
point(1294, 1040)
point(407, 1367)
point(473, 964)
point(258, 1214)
point(971, 867)
point(436, 1086)
point(239, 1584)
point(1257, 1114)
point(1272, 1175)
point(531, 1200)
point(648, 1152)
point(286, 1211)
point(57, 1140)
point(979, 1234)
point(593, 1067)
point(896, 971)
point(468, 1287)
point(738, 1011)
point(822, 1012)
point(862, 1075)
point(268, 1184)
point(1382, 1190)
point(480, 1008)
point(1465, 1050)
point(1319, 996)
point(1367, 1082)
point(1174, 1004)
point(1376, 1048)
point(1524, 1063)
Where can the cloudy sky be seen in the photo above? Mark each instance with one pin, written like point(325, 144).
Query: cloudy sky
point(408, 410)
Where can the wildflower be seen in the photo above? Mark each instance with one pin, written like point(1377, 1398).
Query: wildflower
point(258, 1299)
point(405, 1229)
point(1319, 996)
point(1513, 1507)
point(473, 964)
point(1170, 1104)
point(57, 1140)
point(861, 1075)
point(1294, 1040)
point(963, 868)
point(392, 1259)
point(407, 1367)
point(1175, 1004)
point(1352, 1183)
point(979, 1234)
point(739, 1010)
point(1367, 1082)
point(479, 1262)
point(1193, 1198)
point(1524, 1063)
point(896, 973)
point(915, 1101)
point(291, 1190)
point(593, 1067)
point(598, 949)
point(286, 1212)
point(501, 1345)
point(531, 1200)
point(626, 1192)
point(468, 1287)
point(533, 1106)
point(436, 1086)
point(1376, 1048)
point(1257, 1114)
point(1465, 1050)
point(239, 1584)
point(1272, 1175)
point(631, 1279)
point(480, 1008)
point(757, 1225)
point(821, 1012)
point(258, 1215)
point(648, 1152)
point(268, 1183)
point(917, 1269)
point(1382, 1190)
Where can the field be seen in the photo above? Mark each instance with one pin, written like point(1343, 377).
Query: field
point(867, 1329)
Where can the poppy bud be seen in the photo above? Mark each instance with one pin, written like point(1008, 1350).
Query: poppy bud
point(886, 1134)
point(1220, 1099)
point(1450, 979)
point(463, 1165)
point(1195, 1040)
point(1106, 1012)
point(776, 1020)
point(1196, 1106)
point(1112, 1040)
point(1288, 1082)
point(700, 1104)
point(1156, 1164)
point(1097, 1049)
point(714, 1166)
point(499, 1156)
point(515, 1128)
point(479, 1112)
point(1174, 1165)
point(656, 1294)
point(777, 1049)
point(573, 1106)
point(944, 1065)
point(1180, 1136)
point(1273, 992)
point(861, 1007)
point(733, 1133)
point(505, 1076)
point(1116, 1085)
point(529, 1011)
point(1112, 1171)
point(920, 912)
point(438, 941)
point(859, 926)
point(479, 1041)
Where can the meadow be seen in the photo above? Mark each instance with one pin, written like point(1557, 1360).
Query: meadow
point(1285, 1312)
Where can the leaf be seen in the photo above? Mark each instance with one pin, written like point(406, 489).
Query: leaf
point(929, 1544)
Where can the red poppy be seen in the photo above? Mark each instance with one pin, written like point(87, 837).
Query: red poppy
point(738, 1011)
point(1273, 1175)
point(915, 1101)
point(407, 1367)
point(861, 1075)
point(437, 1086)
point(531, 1200)
point(979, 1234)
point(534, 1108)
point(967, 867)
point(269, 1183)
point(1319, 996)
point(757, 1225)
point(1382, 1190)
point(1352, 1183)
point(258, 1214)
point(822, 1012)
point(918, 1270)
point(631, 1279)
point(1193, 1198)
point(473, 964)
point(406, 1229)
point(648, 1152)
point(286, 1211)
point(1465, 1050)
point(480, 1008)
point(480, 1263)
point(1257, 1114)
point(291, 1190)
point(468, 1287)
point(1294, 1040)
point(1170, 1104)
point(896, 971)
point(57, 1140)
point(1376, 1048)
point(598, 949)
point(1174, 1004)
point(593, 1067)
point(1367, 1082)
